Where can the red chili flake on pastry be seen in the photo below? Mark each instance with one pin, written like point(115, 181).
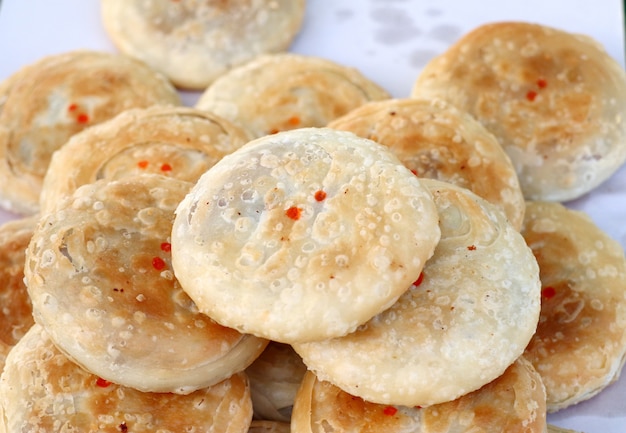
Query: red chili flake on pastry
point(294, 213)
point(166, 246)
point(419, 280)
point(548, 292)
point(320, 195)
point(158, 263)
point(102, 383)
point(531, 95)
point(471, 247)
point(123, 427)
point(390, 410)
point(82, 118)
point(293, 121)
point(72, 107)
point(542, 83)
point(142, 164)
point(166, 167)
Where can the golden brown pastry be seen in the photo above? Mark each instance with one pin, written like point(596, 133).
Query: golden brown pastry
point(580, 344)
point(47, 102)
point(512, 403)
point(193, 42)
point(99, 273)
point(16, 315)
point(459, 326)
point(286, 91)
point(303, 235)
point(174, 141)
point(275, 377)
point(555, 101)
point(436, 140)
point(41, 390)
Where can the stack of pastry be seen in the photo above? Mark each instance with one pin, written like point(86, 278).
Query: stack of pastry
point(307, 254)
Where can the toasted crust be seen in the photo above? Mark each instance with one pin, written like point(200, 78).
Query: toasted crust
point(99, 275)
point(454, 330)
point(303, 235)
point(512, 403)
point(47, 102)
point(285, 91)
point(175, 141)
point(580, 344)
point(194, 42)
point(555, 101)
point(42, 390)
point(16, 314)
point(436, 140)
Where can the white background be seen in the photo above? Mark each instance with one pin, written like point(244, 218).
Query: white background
point(389, 41)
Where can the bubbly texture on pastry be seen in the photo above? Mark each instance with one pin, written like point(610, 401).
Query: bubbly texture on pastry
point(42, 390)
point(580, 343)
point(303, 235)
point(194, 42)
point(16, 315)
point(286, 91)
point(174, 141)
point(459, 326)
point(436, 140)
point(98, 271)
point(44, 104)
point(555, 101)
point(513, 403)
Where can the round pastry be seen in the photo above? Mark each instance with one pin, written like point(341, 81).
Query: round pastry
point(286, 91)
point(303, 235)
point(275, 377)
point(43, 390)
point(553, 99)
point(459, 326)
point(580, 344)
point(436, 140)
point(47, 102)
point(174, 141)
point(98, 270)
point(512, 403)
point(194, 42)
point(16, 315)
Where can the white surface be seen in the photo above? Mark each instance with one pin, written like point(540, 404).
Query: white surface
point(389, 41)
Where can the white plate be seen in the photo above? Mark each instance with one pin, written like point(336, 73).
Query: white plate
point(389, 41)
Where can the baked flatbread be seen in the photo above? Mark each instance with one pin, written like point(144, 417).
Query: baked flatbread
point(194, 42)
point(174, 141)
point(459, 326)
point(436, 140)
point(580, 344)
point(512, 403)
point(98, 270)
point(16, 315)
point(47, 102)
point(286, 91)
point(42, 390)
point(303, 235)
point(554, 100)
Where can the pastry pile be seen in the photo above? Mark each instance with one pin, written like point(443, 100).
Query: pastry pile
point(300, 251)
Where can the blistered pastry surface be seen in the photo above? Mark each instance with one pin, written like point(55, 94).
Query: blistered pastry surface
point(303, 235)
point(458, 327)
point(99, 274)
